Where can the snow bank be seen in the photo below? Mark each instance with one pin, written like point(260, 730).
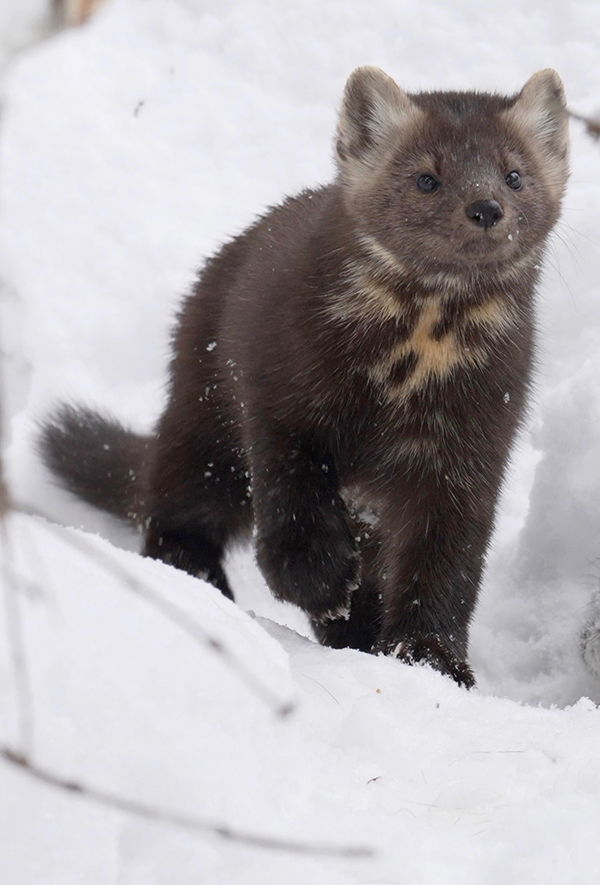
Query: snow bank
point(446, 785)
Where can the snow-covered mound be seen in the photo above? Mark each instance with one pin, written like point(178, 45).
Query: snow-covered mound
point(129, 150)
point(445, 785)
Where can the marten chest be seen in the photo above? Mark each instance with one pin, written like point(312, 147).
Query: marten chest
point(415, 342)
point(442, 343)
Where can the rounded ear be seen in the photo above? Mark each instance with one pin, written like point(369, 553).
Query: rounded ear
point(541, 110)
point(372, 107)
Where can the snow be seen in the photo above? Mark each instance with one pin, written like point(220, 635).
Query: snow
point(130, 149)
point(446, 785)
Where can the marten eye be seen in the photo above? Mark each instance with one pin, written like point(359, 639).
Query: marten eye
point(514, 180)
point(428, 183)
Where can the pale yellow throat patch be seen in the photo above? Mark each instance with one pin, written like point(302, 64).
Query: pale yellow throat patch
point(371, 299)
point(437, 359)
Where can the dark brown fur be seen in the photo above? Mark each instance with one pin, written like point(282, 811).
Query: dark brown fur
point(348, 375)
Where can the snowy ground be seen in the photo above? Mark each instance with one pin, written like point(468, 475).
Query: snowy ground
point(129, 150)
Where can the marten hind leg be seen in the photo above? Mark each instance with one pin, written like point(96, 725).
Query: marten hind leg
point(190, 549)
point(199, 503)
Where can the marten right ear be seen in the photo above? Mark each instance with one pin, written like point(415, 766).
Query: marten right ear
point(373, 106)
point(540, 112)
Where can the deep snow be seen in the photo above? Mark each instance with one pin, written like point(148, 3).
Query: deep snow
point(129, 150)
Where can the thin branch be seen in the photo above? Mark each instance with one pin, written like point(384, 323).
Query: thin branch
point(16, 645)
point(197, 825)
point(175, 614)
point(592, 126)
point(15, 634)
point(14, 622)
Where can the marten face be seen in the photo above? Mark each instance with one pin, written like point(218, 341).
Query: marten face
point(448, 183)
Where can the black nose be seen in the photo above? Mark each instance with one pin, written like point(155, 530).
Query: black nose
point(485, 213)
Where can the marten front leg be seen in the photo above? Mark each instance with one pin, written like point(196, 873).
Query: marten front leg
point(433, 559)
point(304, 538)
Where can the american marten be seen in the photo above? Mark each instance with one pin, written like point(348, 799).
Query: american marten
point(349, 372)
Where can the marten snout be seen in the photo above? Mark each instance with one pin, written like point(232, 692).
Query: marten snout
point(485, 213)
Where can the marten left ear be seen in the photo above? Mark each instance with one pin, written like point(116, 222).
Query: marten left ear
point(541, 109)
point(373, 107)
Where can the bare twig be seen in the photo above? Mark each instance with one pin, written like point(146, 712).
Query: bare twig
point(175, 614)
point(16, 644)
point(14, 623)
point(195, 824)
point(74, 12)
point(592, 126)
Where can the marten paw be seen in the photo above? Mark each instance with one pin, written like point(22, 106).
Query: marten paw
point(430, 649)
point(318, 570)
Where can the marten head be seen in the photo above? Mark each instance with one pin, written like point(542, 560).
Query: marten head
point(443, 184)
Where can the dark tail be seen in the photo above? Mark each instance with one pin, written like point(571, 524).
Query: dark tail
point(98, 460)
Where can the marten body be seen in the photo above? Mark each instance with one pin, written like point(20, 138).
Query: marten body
point(349, 373)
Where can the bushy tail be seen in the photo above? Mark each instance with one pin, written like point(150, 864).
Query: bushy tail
point(97, 459)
